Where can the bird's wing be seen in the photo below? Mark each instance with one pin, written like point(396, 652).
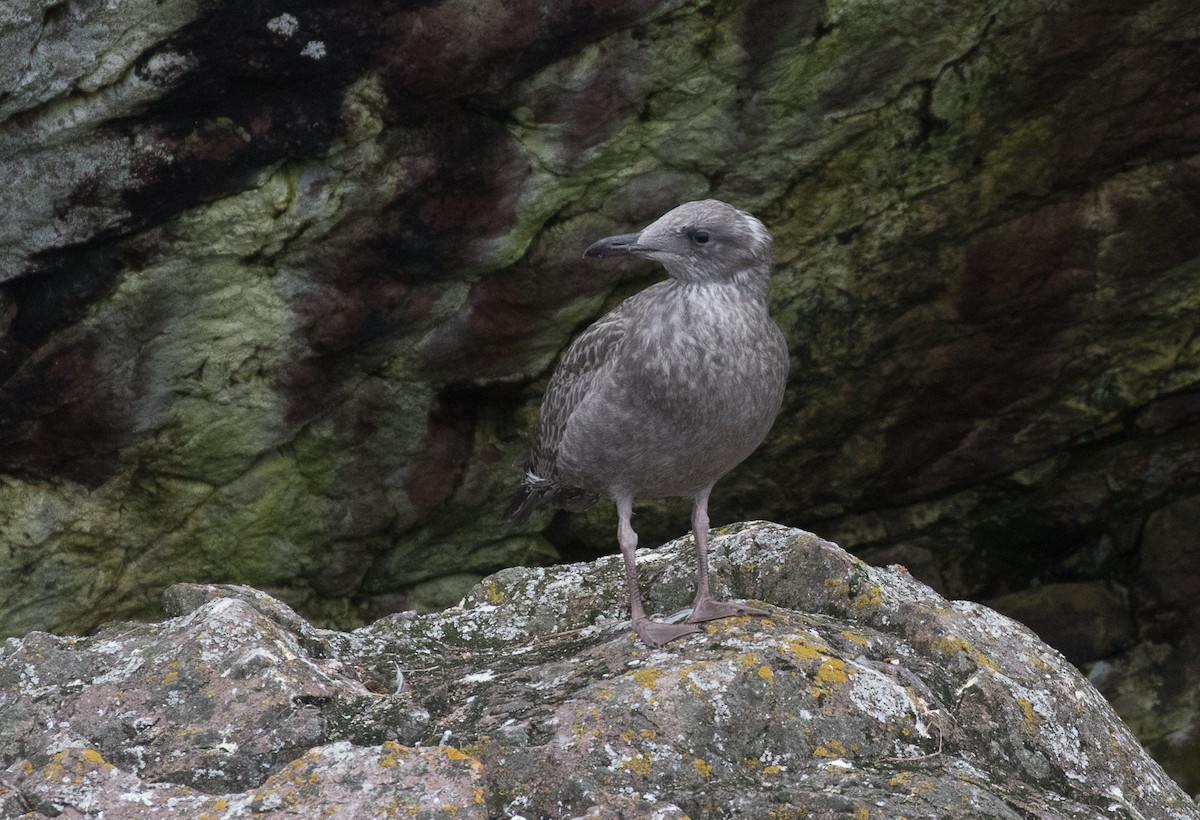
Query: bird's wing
point(573, 379)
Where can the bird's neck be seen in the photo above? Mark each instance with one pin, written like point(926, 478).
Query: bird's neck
point(755, 280)
point(751, 284)
point(752, 281)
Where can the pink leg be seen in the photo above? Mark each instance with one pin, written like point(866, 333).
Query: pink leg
point(652, 633)
point(705, 607)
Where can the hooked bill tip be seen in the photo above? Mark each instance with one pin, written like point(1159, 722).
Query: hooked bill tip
point(623, 245)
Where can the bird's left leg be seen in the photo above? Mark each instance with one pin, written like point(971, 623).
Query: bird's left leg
point(653, 633)
point(705, 607)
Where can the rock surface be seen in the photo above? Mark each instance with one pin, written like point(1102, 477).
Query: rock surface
point(280, 284)
point(864, 694)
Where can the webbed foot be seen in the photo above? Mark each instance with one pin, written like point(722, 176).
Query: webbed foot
point(710, 609)
point(655, 633)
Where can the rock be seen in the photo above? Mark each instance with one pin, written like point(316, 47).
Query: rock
point(863, 694)
point(1169, 573)
point(280, 284)
point(1084, 621)
point(1155, 685)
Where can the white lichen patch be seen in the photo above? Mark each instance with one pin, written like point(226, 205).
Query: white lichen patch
point(284, 25)
point(657, 556)
point(62, 743)
point(877, 695)
point(482, 676)
point(713, 682)
point(108, 647)
point(313, 50)
point(772, 762)
point(255, 659)
point(1058, 733)
point(997, 627)
point(967, 770)
point(132, 663)
point(30, 681)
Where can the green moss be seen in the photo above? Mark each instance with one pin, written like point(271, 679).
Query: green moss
point(1021, 163)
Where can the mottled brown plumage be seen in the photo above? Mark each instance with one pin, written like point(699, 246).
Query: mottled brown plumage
point(669, 391)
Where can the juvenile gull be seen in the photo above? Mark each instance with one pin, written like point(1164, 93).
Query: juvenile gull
point(668, 392)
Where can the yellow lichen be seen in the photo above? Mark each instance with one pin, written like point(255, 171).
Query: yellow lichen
point(834, 670)
point(1039, 662)
point(803, 649)
point(92, 756)
point(766, 674)
point(458, 754)
point(646, 678)
point(1031, 717)
point(479, 746)
point(830, 749)
point(492, 593)
point(950, 646)
point(871, 598)
point(702, 768)
point(394, 754)
point(220, 804)
point(861, 640)
point(638, 764)
point(985, 661)
point(953, 646)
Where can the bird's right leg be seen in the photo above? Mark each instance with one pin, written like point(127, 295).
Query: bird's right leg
point(652, 633)
point(706, 607)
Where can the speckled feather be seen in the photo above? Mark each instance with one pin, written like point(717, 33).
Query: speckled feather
point(573, 380)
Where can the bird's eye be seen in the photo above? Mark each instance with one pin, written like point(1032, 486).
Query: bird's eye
point(700, 237)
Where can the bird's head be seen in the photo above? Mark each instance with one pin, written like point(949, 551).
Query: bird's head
point(703, 241)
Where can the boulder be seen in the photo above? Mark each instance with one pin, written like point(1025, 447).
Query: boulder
point(863, 694)
point(1155, 684)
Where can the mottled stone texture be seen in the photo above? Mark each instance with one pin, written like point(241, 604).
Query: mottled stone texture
point(280, 284)
point(863, 695)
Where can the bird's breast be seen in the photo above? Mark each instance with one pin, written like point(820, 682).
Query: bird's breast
point(714, 359)
point(691, 392)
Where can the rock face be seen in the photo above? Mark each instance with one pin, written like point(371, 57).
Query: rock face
point(280, 284)
point(864, 694)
